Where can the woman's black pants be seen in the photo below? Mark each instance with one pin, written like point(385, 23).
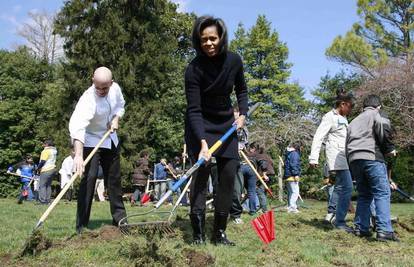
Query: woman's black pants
point(226, 169)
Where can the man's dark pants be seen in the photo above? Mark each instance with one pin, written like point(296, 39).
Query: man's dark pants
point(110, 162)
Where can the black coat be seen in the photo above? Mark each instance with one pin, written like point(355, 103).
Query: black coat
point(209, 83)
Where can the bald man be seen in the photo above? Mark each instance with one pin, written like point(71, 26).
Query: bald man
point(98, 110)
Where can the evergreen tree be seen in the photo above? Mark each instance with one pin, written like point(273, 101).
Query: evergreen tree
point(386, 30)
point(326, 92)
point(23, 80)
point(267, 70)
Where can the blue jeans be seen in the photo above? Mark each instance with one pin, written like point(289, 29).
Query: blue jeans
point(343, 189)
point(262, 197)
point(293, 194)
point(332, 199)
point(250, 181)
point(30, 195)
point(372, 184)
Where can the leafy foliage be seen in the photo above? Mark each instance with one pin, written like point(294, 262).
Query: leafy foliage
point(23, 80)
point(326, 92)
point(386, 30)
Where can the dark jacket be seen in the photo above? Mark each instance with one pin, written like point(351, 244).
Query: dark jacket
point(258, 163)
point(369, 136)
point(141, 172)
point(209, 83)
point(267, 165)
point(160, 171)
point(292, 163)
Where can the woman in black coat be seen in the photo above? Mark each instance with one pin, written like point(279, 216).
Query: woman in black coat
point(209, 81)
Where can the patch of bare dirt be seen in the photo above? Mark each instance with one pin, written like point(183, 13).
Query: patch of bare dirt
point(36, 243)
point(198, 258)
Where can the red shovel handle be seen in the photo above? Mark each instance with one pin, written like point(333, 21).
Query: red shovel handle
point(270, 192)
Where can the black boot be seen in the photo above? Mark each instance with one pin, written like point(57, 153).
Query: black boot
point(197, 222)
point(219, 232)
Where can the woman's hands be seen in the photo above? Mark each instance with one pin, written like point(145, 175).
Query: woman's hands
point(240, 121)
point(204, 151)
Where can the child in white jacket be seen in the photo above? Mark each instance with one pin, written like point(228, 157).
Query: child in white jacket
point(332, 130)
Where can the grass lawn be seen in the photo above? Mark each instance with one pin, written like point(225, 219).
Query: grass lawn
point(301, 240)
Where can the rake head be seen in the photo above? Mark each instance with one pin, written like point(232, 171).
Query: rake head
point(147, 223)
point(148, 228)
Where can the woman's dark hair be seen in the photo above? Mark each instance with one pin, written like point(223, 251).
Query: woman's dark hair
point(343, 96)
point(372, 101)
point(203, 22)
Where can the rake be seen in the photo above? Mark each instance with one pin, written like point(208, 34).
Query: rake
point(35, 231)
point(162, 223)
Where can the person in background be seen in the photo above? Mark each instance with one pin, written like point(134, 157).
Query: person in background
point(47, 169)
point(140, 176)
point(332, 131)
point(160, 175)
point(26, 169)
point(292, 175)
point(249, 176)
point(237, 208)
point(178, 170)
point(66, 171)
point(267, 172)
point(368, 143)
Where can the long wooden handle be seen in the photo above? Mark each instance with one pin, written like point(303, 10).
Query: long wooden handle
point(19, 175)
point(255, 171)
point(147, 187)
point(172, 173)
point(68, 184)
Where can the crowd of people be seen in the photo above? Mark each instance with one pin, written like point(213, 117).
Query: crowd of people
point(355, 150)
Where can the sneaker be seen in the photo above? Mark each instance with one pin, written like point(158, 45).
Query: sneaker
point(389, 236)
point(237, 221)
point(329, 217)
point(293, 210)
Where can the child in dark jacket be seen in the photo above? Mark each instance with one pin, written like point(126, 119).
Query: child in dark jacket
point(292, 174)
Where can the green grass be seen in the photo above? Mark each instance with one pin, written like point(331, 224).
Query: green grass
point(301, 240)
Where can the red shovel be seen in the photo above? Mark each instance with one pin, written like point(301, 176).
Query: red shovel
point(146, 197)
point(265, 227)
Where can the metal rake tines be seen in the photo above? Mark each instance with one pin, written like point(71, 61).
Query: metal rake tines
point(150, 222)
point(150, 228)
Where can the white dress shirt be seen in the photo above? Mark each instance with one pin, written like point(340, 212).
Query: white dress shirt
point(333, 129)
point(89, 121)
